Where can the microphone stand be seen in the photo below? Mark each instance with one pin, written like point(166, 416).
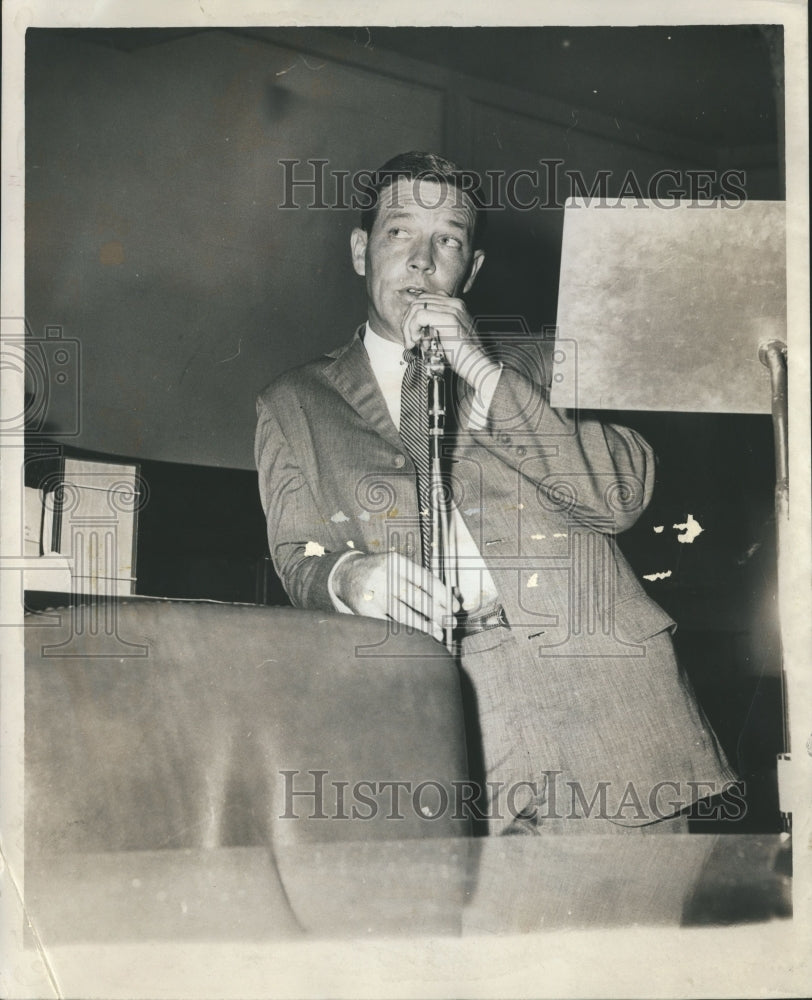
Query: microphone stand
point(773, 355)
point(442, 561)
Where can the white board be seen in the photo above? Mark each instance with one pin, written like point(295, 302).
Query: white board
point(665, 308)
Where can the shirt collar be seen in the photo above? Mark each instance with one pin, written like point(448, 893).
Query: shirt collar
point(384, 355)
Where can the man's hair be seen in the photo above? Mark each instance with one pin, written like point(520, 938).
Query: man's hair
point(416, 166)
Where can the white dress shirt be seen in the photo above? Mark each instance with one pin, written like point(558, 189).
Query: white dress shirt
point(473, 582)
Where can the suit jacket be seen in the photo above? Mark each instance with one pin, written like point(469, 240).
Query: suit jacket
point(543, 492)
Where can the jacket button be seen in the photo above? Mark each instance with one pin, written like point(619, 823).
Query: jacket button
point(400, 461)
point(504, 438)
point(521, 451)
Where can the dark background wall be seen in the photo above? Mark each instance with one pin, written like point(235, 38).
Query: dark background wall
point(153, 186)
point(154, 238)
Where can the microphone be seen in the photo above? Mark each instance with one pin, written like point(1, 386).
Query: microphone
point(432, 350)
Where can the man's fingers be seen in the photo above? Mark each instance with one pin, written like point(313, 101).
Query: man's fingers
point(392, 586)
point(417, 619)
point(420, 588)
point(422, 604)
point(445, 320)
point(412, 572)
point(435, 310)
point(432, 298)
point(419, 599)
point(433, 606)
point(414, 597)
point(438, 591)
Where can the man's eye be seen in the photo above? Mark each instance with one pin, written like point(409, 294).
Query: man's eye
point(397, 232)
point(451, 241)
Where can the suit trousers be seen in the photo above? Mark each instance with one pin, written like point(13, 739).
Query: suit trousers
point(581, 744)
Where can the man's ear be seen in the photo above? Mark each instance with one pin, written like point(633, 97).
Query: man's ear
point(476, 263)
point(358, 247)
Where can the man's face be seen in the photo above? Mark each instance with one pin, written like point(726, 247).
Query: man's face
point(421, 241)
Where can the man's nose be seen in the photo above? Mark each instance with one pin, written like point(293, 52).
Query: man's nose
point(422, 258)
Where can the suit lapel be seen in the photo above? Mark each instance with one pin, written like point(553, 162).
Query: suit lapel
point(351, 375)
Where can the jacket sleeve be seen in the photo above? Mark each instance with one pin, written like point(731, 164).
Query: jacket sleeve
point(602, 473)
point(298, 535)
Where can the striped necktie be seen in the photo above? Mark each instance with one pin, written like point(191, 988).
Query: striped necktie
point(414, 430)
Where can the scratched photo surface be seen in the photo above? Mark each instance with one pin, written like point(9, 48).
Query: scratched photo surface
point(214, 757)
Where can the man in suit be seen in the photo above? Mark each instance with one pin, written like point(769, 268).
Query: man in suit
point(579, 716)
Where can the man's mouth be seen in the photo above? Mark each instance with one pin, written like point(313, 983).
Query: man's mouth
point(414, 290)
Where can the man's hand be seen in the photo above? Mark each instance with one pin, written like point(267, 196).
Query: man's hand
point(448, 320)
point(391, 586)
